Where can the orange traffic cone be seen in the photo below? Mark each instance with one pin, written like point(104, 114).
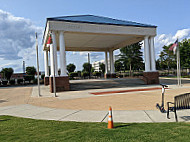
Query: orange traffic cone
point(110, 120)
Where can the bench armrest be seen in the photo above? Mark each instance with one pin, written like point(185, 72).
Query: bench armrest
point(170, 103)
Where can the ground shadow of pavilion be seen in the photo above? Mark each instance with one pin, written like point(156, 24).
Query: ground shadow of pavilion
point(116, 83)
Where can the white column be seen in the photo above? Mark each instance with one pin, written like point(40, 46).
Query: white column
point(46, 64)
point(62, 54)
point(55, 52)
point(52, 60)
point(153, 61)
point(106, 62)
point(147, 54)
point(110, 61)
point(113, 67)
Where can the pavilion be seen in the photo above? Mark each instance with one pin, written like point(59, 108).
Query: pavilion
point(94, 33)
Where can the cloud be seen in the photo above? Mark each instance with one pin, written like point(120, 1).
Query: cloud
point(167, 39)
point(16, 36)
point(93, 55)
point(15, 66)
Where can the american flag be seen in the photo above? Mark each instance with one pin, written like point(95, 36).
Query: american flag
point(174, 46)
point(49, 42)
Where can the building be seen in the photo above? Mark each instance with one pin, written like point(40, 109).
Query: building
point(96, 65)
point(14, 76)
point(94, 33)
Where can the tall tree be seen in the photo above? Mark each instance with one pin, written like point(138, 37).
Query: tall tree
point(102, 67)
point(184, 47)
point(87, 67)
point(167, 59)
point(131, 57)
point(31, 71)
point(118, 65)
point(7, 73)
point(71, 68)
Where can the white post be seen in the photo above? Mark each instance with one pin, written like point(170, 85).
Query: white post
point(46, 63)
point(153, 62)
point(62, 54)
point(147, 54)
point(55, 52)
point(52, 60)
point(106, 62)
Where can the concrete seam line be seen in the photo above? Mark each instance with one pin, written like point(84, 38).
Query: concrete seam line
point(41, 112)
point(16, 107)
point(105, 117)
point(149, 116)
point(70, 114)
point(8, 108)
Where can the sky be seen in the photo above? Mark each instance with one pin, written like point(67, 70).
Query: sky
point(20, 19)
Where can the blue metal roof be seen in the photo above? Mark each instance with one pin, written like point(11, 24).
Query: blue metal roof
point(98, 20)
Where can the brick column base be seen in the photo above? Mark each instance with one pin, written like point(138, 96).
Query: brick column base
point(110, 75)
point(62, 84)
point(151, 77)
point(46, 81)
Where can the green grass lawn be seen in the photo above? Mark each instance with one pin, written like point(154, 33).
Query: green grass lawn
point(22, 129)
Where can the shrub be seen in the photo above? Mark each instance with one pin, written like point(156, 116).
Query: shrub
point(97, 73)
point(20, 81)
point(79, 73)
point(41, 81)
point(42, 76)
point(4, 82)
point(119, 75)
point(28, 78)
point(126, 75)
point(12, 82)
point(35, 81)
point(85, 74)
point(73, 74)
point(138, 74)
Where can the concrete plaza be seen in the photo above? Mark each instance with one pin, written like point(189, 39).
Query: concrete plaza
point(82, 105)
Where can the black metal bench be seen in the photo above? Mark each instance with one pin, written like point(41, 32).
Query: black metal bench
point(180, 102)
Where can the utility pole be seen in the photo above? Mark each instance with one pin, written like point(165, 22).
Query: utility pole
point(23, 67)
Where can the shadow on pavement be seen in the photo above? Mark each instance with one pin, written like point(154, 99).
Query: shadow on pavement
point(173, 81)
point(105, 84)
point(2, 101)
point(186, 118)
point(117, 83)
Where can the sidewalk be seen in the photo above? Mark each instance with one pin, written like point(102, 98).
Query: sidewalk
point(124, 116)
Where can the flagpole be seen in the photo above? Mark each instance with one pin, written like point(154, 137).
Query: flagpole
point(177, 69)
point(54, 82)
point(37, 66)
point(179, 66)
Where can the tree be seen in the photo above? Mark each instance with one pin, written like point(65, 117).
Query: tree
point(87, 67)
point(184, 47)
point(71, 68)
point(7, 73)
point(102, 67)
point(118, 65)
point(30, 71)
point(131, 57)
point(167, 59)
